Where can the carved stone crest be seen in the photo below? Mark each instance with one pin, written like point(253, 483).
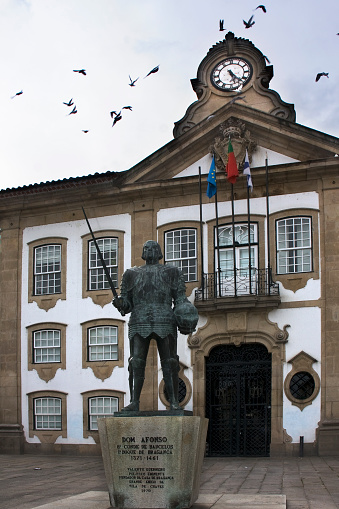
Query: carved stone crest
point(241, 140)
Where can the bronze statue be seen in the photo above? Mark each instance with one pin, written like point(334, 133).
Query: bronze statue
point(149, 292)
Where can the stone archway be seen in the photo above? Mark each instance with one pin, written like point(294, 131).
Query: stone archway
point(237, 329)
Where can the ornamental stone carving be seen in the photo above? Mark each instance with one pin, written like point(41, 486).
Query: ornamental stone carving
point(241, 140)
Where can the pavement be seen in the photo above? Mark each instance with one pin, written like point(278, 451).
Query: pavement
point(78, 482)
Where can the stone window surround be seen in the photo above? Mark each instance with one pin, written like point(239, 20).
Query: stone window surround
point(302, 362)
point(47, 301)
point(103, 369)
point(239, 219)
point(179, 225)
point(47, 436)
point(101, 297)
point(85, 401)
point(297, 280)
point(46, 370)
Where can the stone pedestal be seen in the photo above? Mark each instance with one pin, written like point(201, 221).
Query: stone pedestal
point(153, 461)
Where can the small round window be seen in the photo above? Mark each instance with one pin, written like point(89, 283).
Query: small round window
point(302, 385)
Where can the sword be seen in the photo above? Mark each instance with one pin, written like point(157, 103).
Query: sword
point(108, 276)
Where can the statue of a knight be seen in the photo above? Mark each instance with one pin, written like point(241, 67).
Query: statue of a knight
point(155, 295)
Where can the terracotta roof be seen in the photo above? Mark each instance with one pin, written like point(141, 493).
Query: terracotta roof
point(66, 183)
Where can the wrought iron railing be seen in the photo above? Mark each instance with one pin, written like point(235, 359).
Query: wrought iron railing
point(237, 283)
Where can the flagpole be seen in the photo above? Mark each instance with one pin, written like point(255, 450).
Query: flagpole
point(201, 238)
point(218, 246)
point(249, 238)
point(233, 230)
point(268, 230)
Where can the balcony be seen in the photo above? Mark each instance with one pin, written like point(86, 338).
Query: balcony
point(232, 290)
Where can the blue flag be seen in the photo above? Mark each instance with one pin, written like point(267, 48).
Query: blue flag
point(212, 181)
point(247, 172)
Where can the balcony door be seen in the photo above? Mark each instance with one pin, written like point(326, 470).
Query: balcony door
point(236, 259)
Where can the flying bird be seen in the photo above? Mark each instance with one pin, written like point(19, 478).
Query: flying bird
point(320, 74)
point(249, 23)
point(80, 71)
point(234, 77)
point(114, 114)
point(70, 103)
point(154, 70)
point(116, 119)
point(127, 108)
point(85, 130)
point(261, 7)
point(18, 93)
point(132, 82)
point(237, 98)
point(221, 25)
point(74, 110)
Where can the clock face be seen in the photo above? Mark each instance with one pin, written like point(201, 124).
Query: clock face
point(231, 74)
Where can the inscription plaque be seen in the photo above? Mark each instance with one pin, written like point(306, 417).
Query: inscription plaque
point(153, 462)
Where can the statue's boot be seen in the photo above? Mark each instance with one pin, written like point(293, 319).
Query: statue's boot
point(171, 392)
point(138, 382)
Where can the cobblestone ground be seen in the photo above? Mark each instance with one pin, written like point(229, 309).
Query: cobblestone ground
point(308, 483)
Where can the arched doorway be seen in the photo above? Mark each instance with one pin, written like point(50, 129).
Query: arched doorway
point(238, 400)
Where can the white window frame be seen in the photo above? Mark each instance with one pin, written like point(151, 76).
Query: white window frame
point(46, 349)
point(186, 259)
point(47, 269)
point(95, 409)
point(294, 248)
point(47, 413)
point(103, 343)
point(226, 253)
point(96, 275)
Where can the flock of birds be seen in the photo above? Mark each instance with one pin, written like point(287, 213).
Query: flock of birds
point(249, 24)
point(117, 115)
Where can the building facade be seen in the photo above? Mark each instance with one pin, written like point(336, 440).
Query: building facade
point(261, 267)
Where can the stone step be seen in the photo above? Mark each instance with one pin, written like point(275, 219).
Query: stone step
point(237, 501)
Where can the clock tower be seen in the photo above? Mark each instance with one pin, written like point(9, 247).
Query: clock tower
point(234, 72)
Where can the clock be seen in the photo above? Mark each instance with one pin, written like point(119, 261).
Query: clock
point(231, 74)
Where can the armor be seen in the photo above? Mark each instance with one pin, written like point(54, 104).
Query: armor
point(149, 293)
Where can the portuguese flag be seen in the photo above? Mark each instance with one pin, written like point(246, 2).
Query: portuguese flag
point(231, 167)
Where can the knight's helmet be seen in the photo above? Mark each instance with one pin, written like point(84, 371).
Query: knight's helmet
point(153, 244)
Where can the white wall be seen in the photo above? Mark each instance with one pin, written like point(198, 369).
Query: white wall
point(72, 311)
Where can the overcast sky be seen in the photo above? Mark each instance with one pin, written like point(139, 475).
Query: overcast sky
point(42, 41)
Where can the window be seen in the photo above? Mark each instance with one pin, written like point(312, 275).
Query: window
point(181, 251)
point(47, 269)
point(99, 403)
point(103, 343)
point(47, 413)
point(103, 346)
point(109, 248)
point(302, 385)
point(294, 245)
point(101, 406)
point(241, 248)
point(237, 276)
point(46, 346)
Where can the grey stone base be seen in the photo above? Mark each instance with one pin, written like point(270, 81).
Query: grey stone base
point(11, 439)
point(153, 462)
point(100, 500)
point(328, 438)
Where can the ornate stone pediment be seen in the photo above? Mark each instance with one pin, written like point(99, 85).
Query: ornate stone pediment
point(241, 140)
